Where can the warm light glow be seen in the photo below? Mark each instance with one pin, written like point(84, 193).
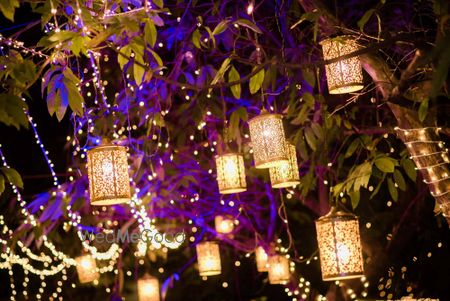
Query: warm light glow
point(109, 182)
point(208, 257)
point(148, 289)
point(86, 269)
point(223, 225)
point(231, 173)
point(268, 140)
point(344, 76)
point(286, 174)
point(339, 246)
point(278, 269)
point(261, 259)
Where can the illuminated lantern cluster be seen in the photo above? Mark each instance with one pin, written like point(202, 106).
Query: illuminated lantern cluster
point(148, 288)
point(261, 259)
point(223, 225)
point(432, 160)
point(286, 174)
point(208, 258)
point(231, 173)
point(339, 246)
point(86, 269)
point(279, 270)
point(109, 182)
point(268, 140)
point(344, 76)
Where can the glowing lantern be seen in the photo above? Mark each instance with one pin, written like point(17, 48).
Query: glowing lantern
point(109, 182)
point(344, 76)
point(208, 257)
point(86, 268)
point(223, 225)
point(278, 269)
point(231, 173)
point(268, 141)
point(261, 259)
point(340, 246)
point(148, 288)
point(286, 174)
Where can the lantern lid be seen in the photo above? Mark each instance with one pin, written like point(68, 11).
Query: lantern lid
point(337, 38)
point(336, 214)
point(228, 154)
point(265, 115)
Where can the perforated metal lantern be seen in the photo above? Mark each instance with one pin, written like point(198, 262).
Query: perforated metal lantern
point(208, 258)
point(286, 174)
point(261, 259)
point(148, 288)
point(344, 76)
point(223, 224)
point(268, 140)
point(231, 173)
point(86, 269)
point(109, 182)
point(340, 246)
point(279, 270)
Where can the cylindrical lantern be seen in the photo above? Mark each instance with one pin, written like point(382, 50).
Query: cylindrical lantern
point(223, 225)
point(268, 140)
point(109, 182)
point(148, 288)
point(278, 269)
point(86, 268)
point(339, 246)
point(208, 257)
point(286, 174)
point(344, 76)
point(231, 173)
point(261, 259)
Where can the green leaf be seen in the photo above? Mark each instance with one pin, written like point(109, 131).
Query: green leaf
point(150, 33)
point(221, 27)
point(309, 76)
point(398, 178)
point(367, 15)
point(233, 75)
point(13, 176)
point(352, 148)
point(423, 110)
point(355, 196)
point(157, 58)
point(8, 7)
point(158, 3)
point(75, 99)
point(310, 138)
point(12, 111)
point(248, 24)
point(196, 36)
point(385, 164)
point(392, 189)
point(124, 55)
point(2, 184)
point(410, 169)
point(256, 81)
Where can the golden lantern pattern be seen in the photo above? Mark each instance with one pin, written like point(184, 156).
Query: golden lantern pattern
point(268, 140)
point(344, 76)
point(86, 268)
point(231, 173)
point(279, 269)
point(109, 182)
point(286, 174)
point(223, 225)
point(340, 246)
point(148, 288)
point(208, 258)
point(261, 259)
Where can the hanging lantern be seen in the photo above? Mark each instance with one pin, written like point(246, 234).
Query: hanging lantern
point(286, 174)
point(261, 259)
point(109, 182)
point(344, 76)
point(208, 257)
point(148, 288)
point(223, 225)
point(86, 268)
point(278, 269)
point(268, 141)
point(339, 246)
point(231, 173)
